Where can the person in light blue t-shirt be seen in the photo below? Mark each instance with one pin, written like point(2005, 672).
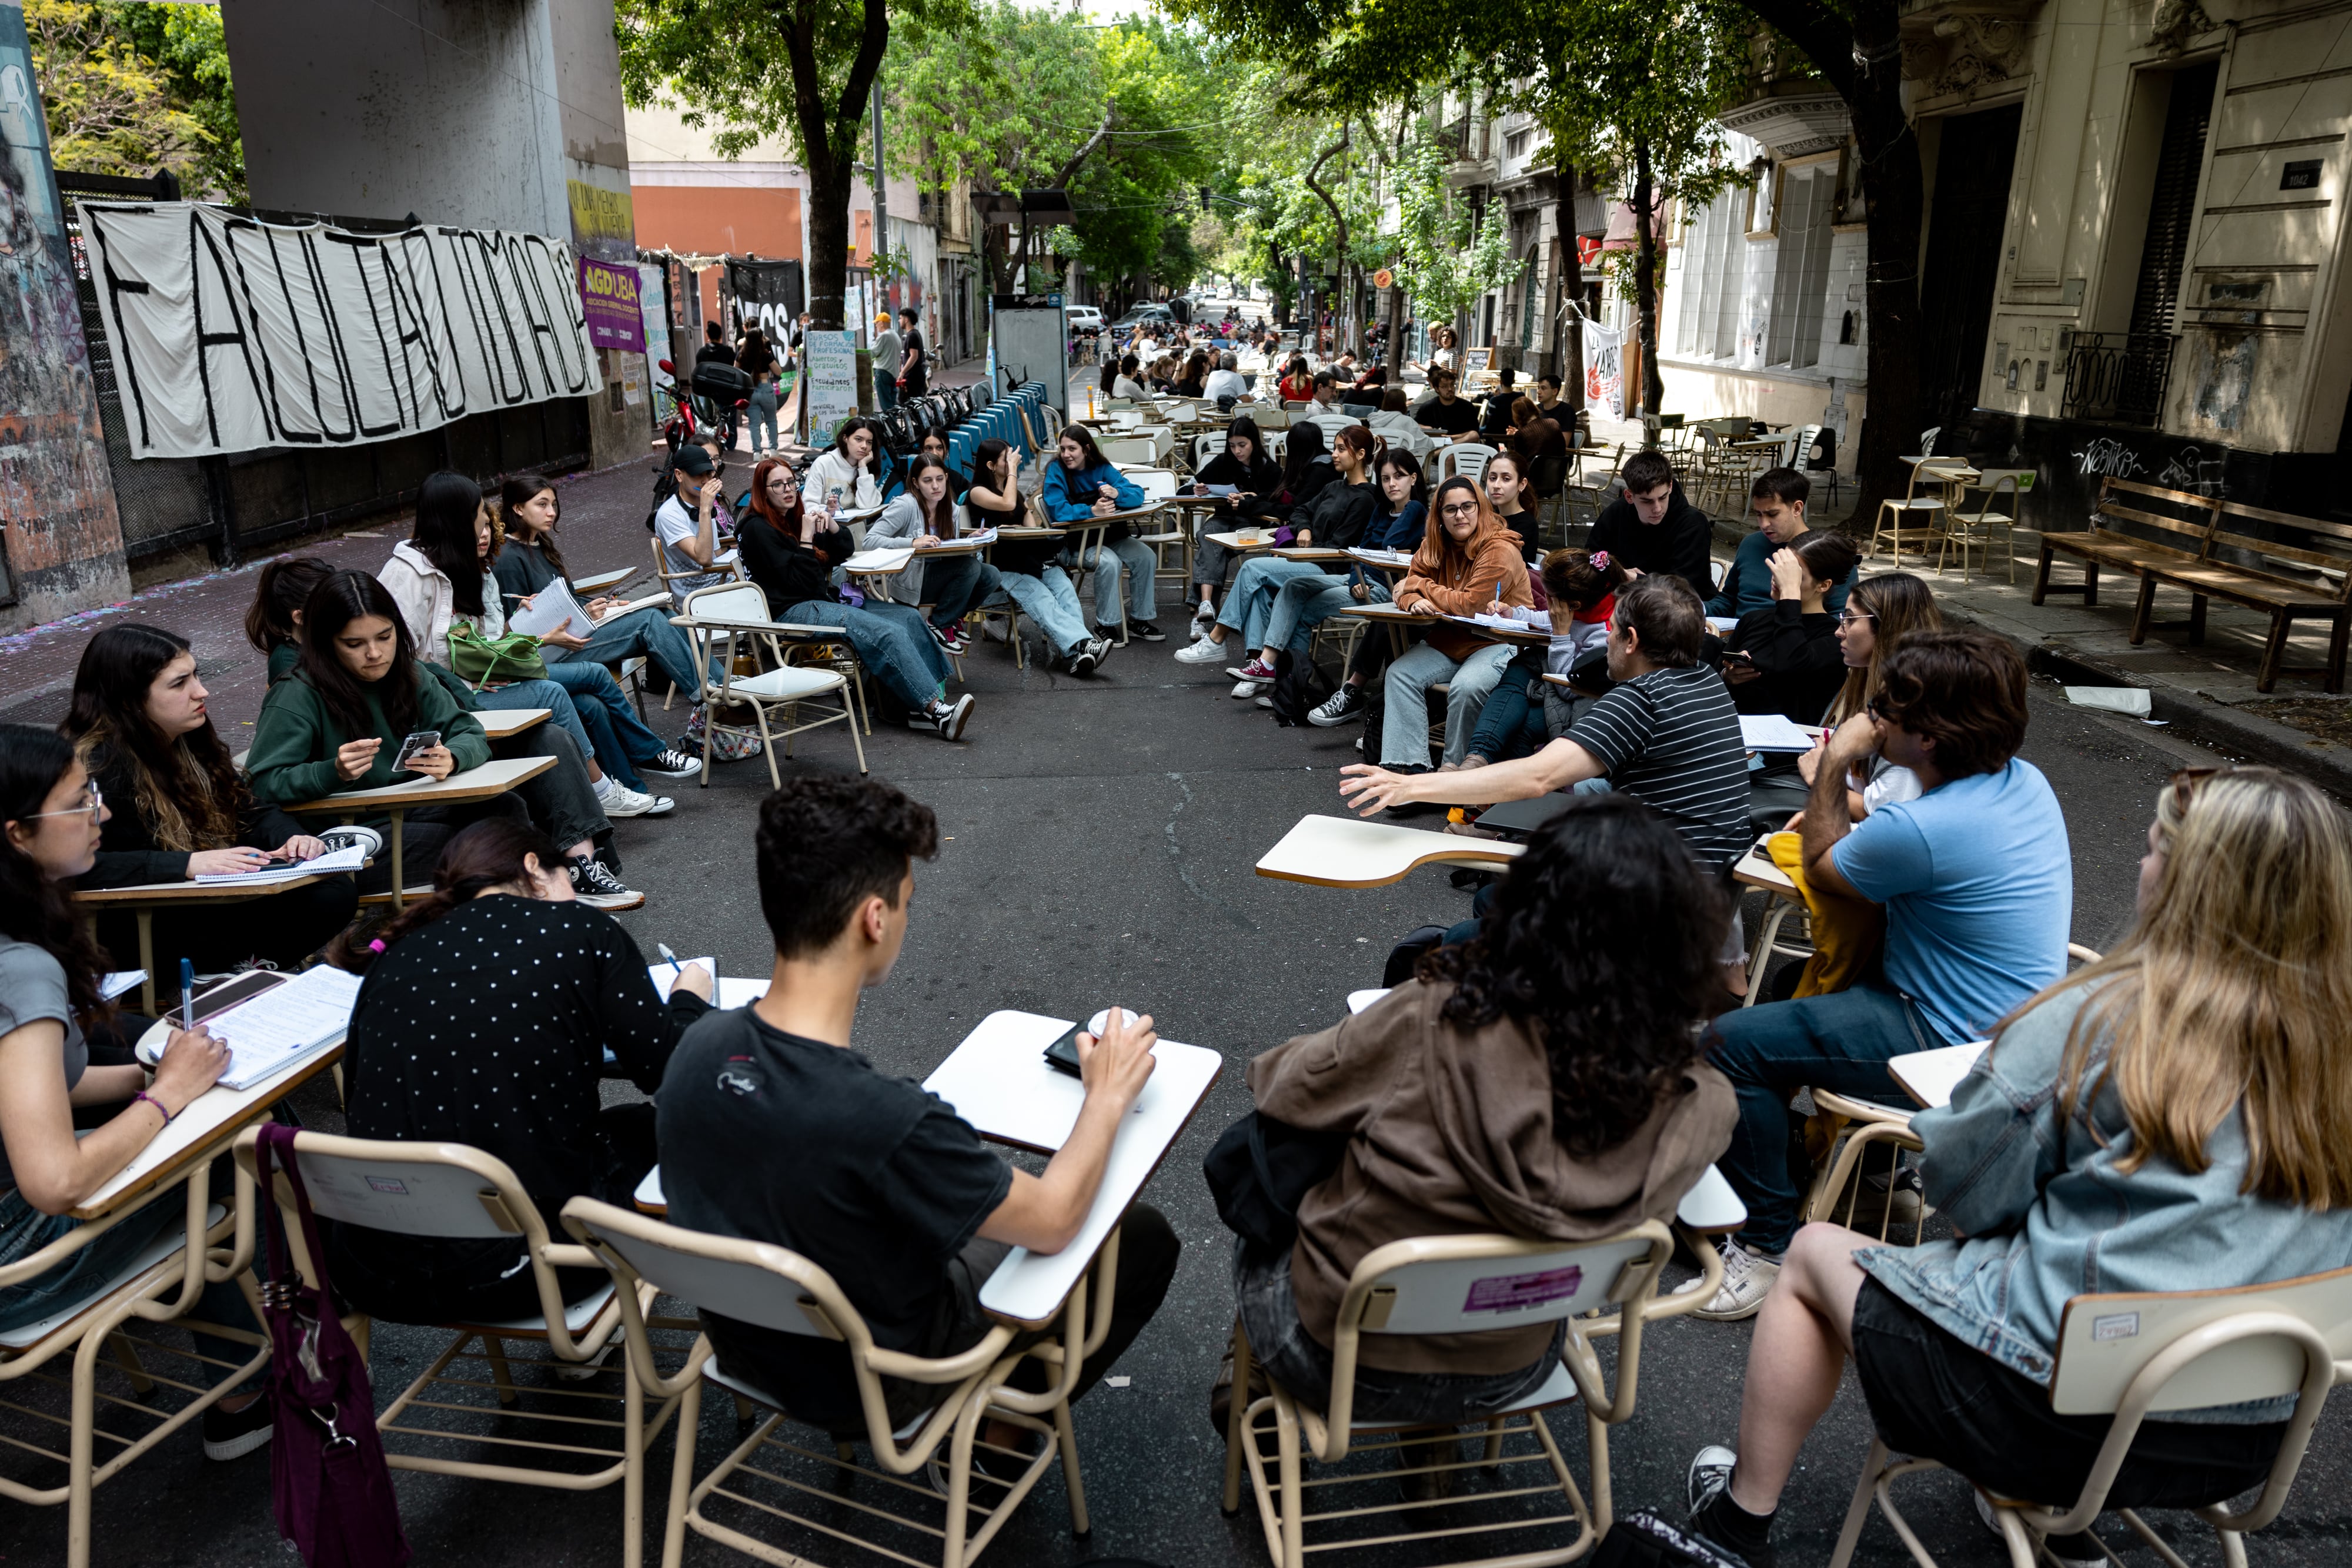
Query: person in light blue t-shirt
point(1977, 884)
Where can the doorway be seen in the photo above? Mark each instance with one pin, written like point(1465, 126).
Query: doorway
point(1973, 166)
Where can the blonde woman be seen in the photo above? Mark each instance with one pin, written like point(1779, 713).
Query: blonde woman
point(1879, 615)
point(2175, 1116)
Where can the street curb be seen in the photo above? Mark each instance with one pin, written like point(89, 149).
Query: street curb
point(2194, 715)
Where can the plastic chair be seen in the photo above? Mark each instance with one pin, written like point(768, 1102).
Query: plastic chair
point(1466, 460)
point(455, 1192)
point(769, 1287)
point(2183, 1351)
point(1444, 1285)
point(714, 618)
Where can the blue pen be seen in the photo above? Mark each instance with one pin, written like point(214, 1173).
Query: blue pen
point(663, 948)
point(187, 994)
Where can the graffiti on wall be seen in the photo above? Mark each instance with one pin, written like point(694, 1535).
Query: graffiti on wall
point(2174, 466)
point(63, 537)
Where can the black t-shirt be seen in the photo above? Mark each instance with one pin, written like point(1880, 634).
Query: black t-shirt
point(1455, 418)
point(910, 341)
point(773, 1138)
point(756, 363)
point(720, 352)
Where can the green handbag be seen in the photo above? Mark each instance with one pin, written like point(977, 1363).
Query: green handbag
point(480, 661)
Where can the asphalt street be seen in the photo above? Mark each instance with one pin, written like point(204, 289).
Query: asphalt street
point(1099, 836)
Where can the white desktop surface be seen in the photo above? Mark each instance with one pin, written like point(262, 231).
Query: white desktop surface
point(998, 1081)
point(1930, 1076)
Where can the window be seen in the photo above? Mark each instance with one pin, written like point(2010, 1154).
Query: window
point(1801, 281)
point(1515, 145)
point(1715, 258)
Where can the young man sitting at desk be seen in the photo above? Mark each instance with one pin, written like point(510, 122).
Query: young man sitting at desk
point(1654, 527)
point(1777, 501)
point(773, 1129)
point(1445, 415)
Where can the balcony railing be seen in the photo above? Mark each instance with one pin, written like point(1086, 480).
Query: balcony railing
point(2118, 376)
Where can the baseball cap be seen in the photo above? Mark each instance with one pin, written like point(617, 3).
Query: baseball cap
point(883, 320)
point(692, 459)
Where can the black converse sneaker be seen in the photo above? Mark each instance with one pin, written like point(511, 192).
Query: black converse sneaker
point(1341, 705)
point(593, 884)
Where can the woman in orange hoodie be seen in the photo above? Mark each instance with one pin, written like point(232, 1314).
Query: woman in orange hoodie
point(1467, 561)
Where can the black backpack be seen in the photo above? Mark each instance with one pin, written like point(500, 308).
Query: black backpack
point(1298, 685)
point(1643, 1540)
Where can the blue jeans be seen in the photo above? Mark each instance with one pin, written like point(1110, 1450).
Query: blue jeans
point(890, 640)
point(1840, 1042)
point(1131, 558)
point(1249, 603)
point(25, 1230)
point(886, 390)
point(1049, 599)
point(1304, 604)
point(1512, 723)
point(763, 417)
point(553, 695)
point(642, 631)
point(1404, 737)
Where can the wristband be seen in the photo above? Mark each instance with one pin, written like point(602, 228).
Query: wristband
point(143, 1094)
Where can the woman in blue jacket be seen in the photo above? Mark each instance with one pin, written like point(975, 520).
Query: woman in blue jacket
point(1081, 484)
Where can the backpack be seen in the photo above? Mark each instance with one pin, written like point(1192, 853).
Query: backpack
point(1298, 685)
point(1643, 1540)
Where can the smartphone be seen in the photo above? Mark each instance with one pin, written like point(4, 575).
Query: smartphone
point(210, 1004)
point(416, 741)
point(1062, 1056)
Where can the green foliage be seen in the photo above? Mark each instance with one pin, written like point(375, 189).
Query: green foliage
point(135, 88)
point(1440, 266)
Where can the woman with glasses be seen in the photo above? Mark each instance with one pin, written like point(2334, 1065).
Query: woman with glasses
point(2175, 1116)
point(1467, 563)
point(52, 823)
point(140, 725)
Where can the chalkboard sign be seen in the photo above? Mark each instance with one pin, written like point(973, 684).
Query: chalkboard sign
point(2303, 175)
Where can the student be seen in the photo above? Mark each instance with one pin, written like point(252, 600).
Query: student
point(502, 982)
point(714, 350)
point(847, 475)
point(1497, 424)
point(915, 370)
point(1534, 437)
point(935, 444)
point(2132, 1126)
point(1399, 524)
point(1523, 714)
point(1777, 501)
point(1666, 734)
point(1652, 527)
point(1030, 571)
point(1441, 414)
point(1487, 1094)
point(801, 1142)
point(442, 575)
point(1335, 517)
point(1125, 385)
point(1253, 475)
point(1297, 385)
point(1547, 402)
point(758, 362)
point(793, 554)
point(1512, 496)
point(1445, 354)
point(1225, 385)
point(1394, 425)
point(1108, 382)
point(924, 516)
point(686, 524)
point(1466, 563)
point(1079, 484)
point(336, 724)
point(1194, 382)
point(1977, 884)
point(1882, 613)
point(531, 557)
point(1784, 658)
point(51, 824)
point(181, 809)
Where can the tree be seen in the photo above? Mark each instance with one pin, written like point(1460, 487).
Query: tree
point(1440, 265)
point(187, 43)
point(800, 68)
point(108, 108)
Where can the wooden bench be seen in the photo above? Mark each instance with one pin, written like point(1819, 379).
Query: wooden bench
point(2305, 576)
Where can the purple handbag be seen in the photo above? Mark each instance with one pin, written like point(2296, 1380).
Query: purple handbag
point(331, 1486)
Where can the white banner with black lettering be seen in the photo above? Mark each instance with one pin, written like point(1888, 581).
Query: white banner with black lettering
point(229, 334)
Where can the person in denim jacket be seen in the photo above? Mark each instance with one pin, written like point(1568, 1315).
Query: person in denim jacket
point(2175, 1116)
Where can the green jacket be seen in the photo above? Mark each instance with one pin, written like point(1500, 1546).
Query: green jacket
point(295, 740)
point(284, 657)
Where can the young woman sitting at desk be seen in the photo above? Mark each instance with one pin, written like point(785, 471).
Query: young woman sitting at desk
point(442, 577)
point(1081, 484)
point(792, 552)
point(502, 981)
point(1398, 524)
point(182, 810)
point(846, 477)
point(1522, 713)
point(2172, 1117)
point(1252, 474)
point(1030, 571)
point(956, 584)
point(337, 723)
point(1488, 1094)
point(1467, 563)
point(1512, 496)
point(51, 823)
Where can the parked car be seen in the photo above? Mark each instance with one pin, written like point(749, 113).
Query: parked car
point(1083, 318)
point(1145, 315)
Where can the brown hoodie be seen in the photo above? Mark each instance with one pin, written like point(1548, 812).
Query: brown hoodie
point(1464, 578)
point(1451, 1135)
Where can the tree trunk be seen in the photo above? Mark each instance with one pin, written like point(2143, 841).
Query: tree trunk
point(829, 139)
point(1646, 281)
point(828, 247)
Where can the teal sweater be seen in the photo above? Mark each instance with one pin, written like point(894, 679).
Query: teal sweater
point(295, 740)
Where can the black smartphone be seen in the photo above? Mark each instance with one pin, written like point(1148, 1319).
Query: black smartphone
point(414, 742)
point(1062, 1056)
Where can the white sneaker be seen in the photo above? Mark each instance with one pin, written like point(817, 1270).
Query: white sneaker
point(1203, 652)
point(1244, 690)
point(1747, 1281)
point(625, 801)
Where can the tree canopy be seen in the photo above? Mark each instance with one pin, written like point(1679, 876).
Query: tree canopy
point(136, 89)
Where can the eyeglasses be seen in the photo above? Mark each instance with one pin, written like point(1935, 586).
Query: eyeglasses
point(92, 803)
point(1460, 509)
point(1848, 617)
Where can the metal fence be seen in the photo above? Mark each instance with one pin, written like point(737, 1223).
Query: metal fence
point(2118, 376)
point(245, 501)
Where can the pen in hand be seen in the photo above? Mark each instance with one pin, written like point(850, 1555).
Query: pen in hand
point(668, 957)
point(187, 994)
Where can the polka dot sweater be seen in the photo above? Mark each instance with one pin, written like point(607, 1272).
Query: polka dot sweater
point(489, 1027)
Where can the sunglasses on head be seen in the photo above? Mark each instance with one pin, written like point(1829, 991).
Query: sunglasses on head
point(2187, 781)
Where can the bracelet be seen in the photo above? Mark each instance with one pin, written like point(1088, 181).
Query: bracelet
point(143, 1094)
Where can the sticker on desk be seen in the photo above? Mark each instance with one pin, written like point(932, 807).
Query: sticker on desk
point(2116, 1326)
point(1518, 1292)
